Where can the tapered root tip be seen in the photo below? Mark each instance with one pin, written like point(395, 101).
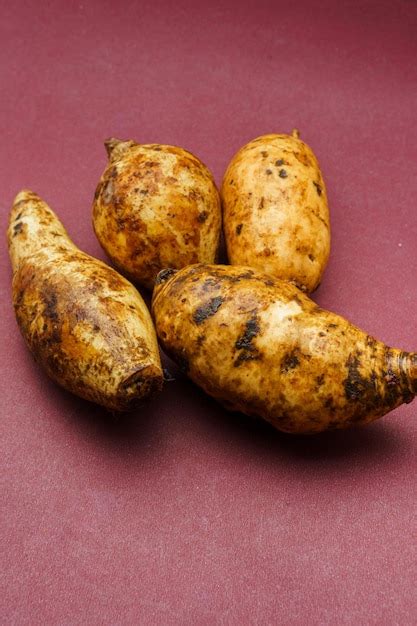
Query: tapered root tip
point(116, 148)
point(295, 133)
point(144, 383)
point(110, 144)
point(160, 281)
point(163, 275)
point(24, 196)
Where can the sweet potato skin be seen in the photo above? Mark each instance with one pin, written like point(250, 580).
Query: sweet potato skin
point(84, 323)
point(156, 206)
point(261, 346)
point(275, 210)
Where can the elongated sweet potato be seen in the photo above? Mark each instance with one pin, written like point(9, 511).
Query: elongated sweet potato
point(261, 346)
point(85, 324)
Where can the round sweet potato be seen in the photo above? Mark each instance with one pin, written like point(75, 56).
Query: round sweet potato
point(156, 206)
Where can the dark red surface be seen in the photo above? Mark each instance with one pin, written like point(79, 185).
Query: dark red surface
point(185, 513)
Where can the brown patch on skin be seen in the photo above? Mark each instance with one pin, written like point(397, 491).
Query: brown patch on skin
point(246, 356)
point(303, 158)
point(311, 257)
point(357, 387)
point(268, 172)
point(290, 361)
point(207, 310)
point(252, 329)
point(391, 378)
point(50, 304)
point(282, 173)
point(248, 352)
point(318, 188)
point(98, 191)
point(298, 300)
point(320, 380)
point(264, 154)
point(239, 229)
point(18, 228)
point(279, 162)
point(261, 203)
point(201, 218)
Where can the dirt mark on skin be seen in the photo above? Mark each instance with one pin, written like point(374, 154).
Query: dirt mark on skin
point(207, 310)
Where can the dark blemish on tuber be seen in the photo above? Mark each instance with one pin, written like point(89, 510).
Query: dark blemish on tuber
point(97, 191)
point(268, 172)
point(50, 310)
point(264, 154)
point(239, 229)
point(18, 216)
point(207, 310)
point(282, 173)
point(251, 331)
point(279, 162)
point(201, 218)
point(391, 378)
point(248, 352)
point(318, 188)
point(209, 283)
point(311, 257)
point(290, 362)
point(246, 356)
point(17, 228)
point(356, 386)
point(297, 299)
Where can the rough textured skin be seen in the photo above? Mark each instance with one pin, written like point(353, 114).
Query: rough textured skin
point(156, 206)
point(261, 346)
point(85, 324)
point(275, 211)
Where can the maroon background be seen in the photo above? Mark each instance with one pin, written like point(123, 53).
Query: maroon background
point(185, 513)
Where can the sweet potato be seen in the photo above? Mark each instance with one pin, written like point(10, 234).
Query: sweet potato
point(275, 211)
point(261, 346)
point(155, 206)
point(84, 323)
